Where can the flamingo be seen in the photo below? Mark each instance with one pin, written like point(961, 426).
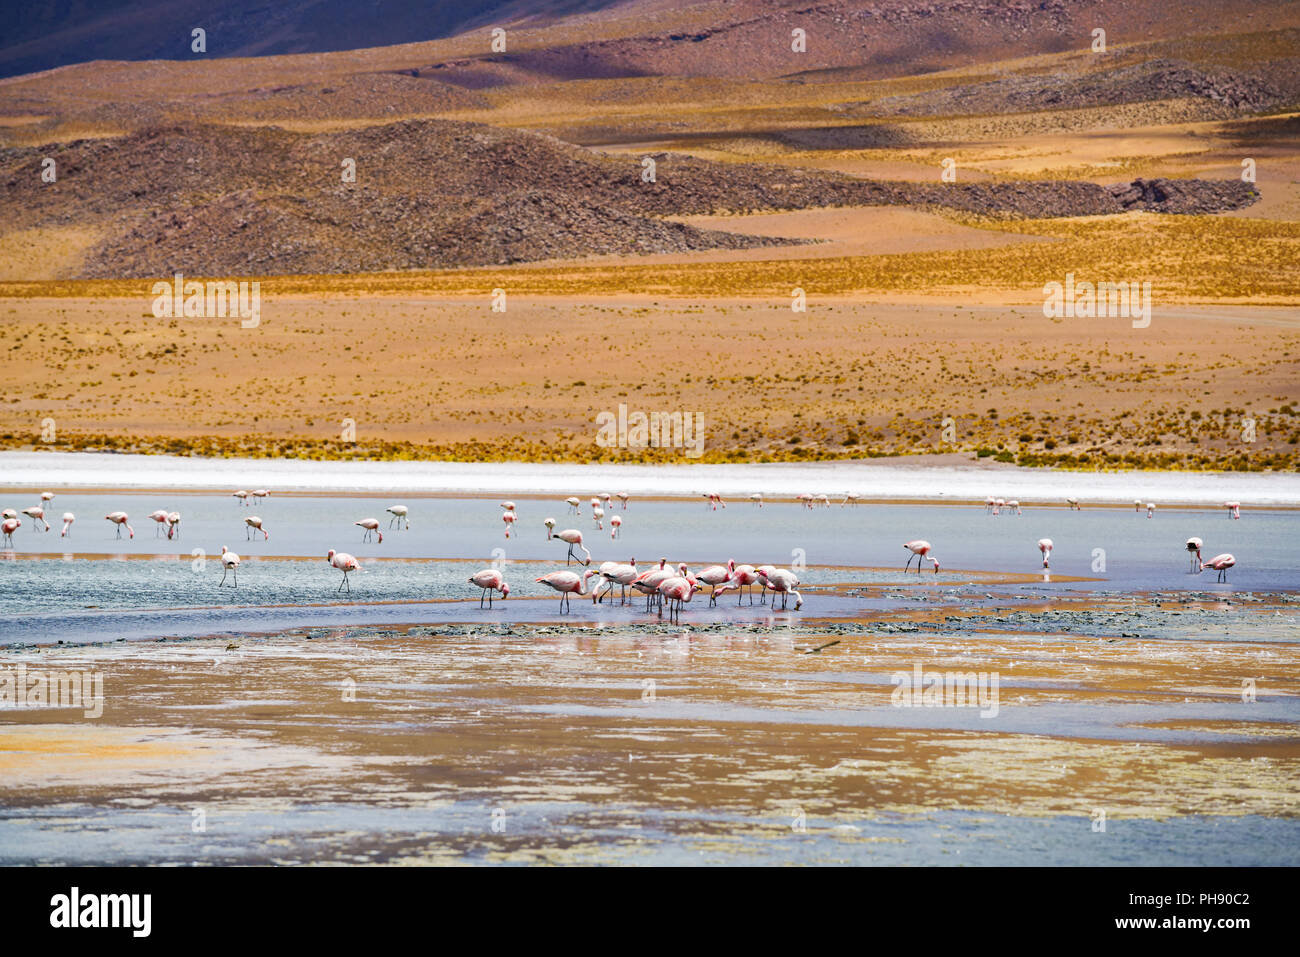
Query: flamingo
point(173, 524)
point(598, 515)
point(8, 513)
point(371, 525)
point(622, 497)
point(160, 517)
point(998, 504)
point(508, 506)
point(242, 495)
point(37, 514)
point(550, 525)
point(715, 500)
point(344, 563)
point(988, 505)
point(573, 502)
point(741, 578)
point(647, 583)
point(616, 574)
point(255, 523)
point(615, 525)
point(715, 575)
point(756, 499)
point(1151, 509)
point(595, 502)
point(119, 519)
point(1014, 504)
point(399, 516)
point(46, 496)
point(1234, 509)
point(1073, 503)
point(850, 497)
point(568, 583)
point(229, 563)
point(260, 493)
point(490, 580)
point(9, 526)
point(1045, 546)
point(761, 573)
point(68, 519)
point(574, 538)
point(1221, 564)
point(783, 581)
point(824, 500)
point(509, 518)
point(920, 549)
point(1194, 549)
point(677, 589)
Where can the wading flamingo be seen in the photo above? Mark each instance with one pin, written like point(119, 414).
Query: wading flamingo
point(8, 513)
point(1151, 509)
point(920, 549)
point(988, 505)
point(1221, 564)
point(647, 583)
point(1234, 509)
point(715, 575)
point(598, 515)
point(160, 517)
point(742, 577)
point(242, 495)
point(9, 526)
point(1014, 505)
point(574, 539)
point(173, 524)
point(761, 572)
point(616, 574)
point(1194, 549)
point(1045, 546)
point(255, 524)
point(567, 584)
point(229, 563)
point(550, 526)
point(508, 506)
point(260, 493)
point(850, 497)
point(119, 519)
point(371, 525)
point(37, 514)
point(399, 516)
point(1073, 503)
point(490, 580)
point(615, 525)
point(1137, 504)
point(509, 518)
point(47, 496)
point(756, 499)
point(676, 590)
point(68, 519)
point(622, 497)
point(344, 563)
point(573, 502)
point(783, 581)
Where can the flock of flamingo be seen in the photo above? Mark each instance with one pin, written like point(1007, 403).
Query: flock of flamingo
point(661, 584)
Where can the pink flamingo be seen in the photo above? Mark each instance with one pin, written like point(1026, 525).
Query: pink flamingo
point(1137, 504)
point(242, 495)
point(1234, 509)
point(344, 563)
point(756, 499)
point(647, 583)
point(920, 549)
point(761, 573)
point(988, 504)
point(37, 514)
point(1194, 549)
point(1221, 564)
point(615, 525)
point(119, 519)
point(550, 527)
point(490, 580)
point(598, 515)
point(622, 497)
point(68, 519)
point(1014, 506)
point(9, 526)
point(8, 513)
point(568, 583)
point(399, 516)
point(1073, 504)
point(783, 581)
point(741, 578)
point(1045, 546)
point(253, 522)
point(574, 539)
point(509, 518)
point(616, 574)
point(229, 563)
point(998, 504)
point(260, 493)
point(1151, 509)
point(160, 517)
point(508, 506)
point(715, 575)
point(46, 496)
point(573, 502)
point(676, 590)
point(371, 525)
point(173, 524)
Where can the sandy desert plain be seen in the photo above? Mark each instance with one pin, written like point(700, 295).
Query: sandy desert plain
point(1162, 704)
